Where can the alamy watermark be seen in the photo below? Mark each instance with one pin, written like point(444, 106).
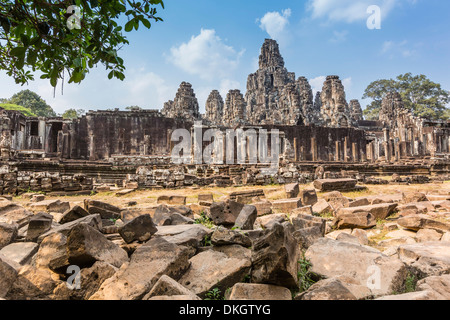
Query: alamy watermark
point(374, 21)
point(374, 280)
point(231, 147)
point(74, 281)
point(74, 21)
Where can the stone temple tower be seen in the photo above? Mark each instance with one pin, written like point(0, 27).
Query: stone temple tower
point(185, 105)
point(214, 108)
point(273, 95)
point(335, 111)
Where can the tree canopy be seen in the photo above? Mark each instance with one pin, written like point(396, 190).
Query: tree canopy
point(32, 101)
point(68, 36)
point(73, 113)
point(422, 96)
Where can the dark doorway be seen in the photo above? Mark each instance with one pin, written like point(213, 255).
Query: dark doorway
point(55, 128)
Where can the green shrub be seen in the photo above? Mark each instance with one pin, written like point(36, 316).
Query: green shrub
point(14, 107)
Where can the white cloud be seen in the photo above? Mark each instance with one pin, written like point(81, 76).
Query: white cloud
point(227, 85)
point(146, 89)
point(317, 83)
point(275, 24)
point(394, 49)
point(206, 56)
point(347, 83)
point(349, 10)
point(339, 36)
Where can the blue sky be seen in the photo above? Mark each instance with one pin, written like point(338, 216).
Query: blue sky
point(215, 45)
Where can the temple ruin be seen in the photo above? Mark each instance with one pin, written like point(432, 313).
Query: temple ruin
point(57, 155)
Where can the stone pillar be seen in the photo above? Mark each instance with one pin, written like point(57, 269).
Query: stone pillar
point(295, 150)
point(371, 152)
point(337, 155)
point(346, 156)
point(302, 153)
point(314, 149)
point(397, 150)
point(355, 152)
point(387, 150)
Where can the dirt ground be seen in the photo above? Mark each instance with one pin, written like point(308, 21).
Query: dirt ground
point(147, 198)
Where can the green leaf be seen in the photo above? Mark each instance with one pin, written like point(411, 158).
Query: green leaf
point(18, 52)
point(129, 25)
point(146, 23)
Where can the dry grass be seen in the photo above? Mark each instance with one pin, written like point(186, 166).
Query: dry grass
point(273, 192)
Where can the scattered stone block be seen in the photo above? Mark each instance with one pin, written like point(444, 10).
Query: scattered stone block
point(267, 222)
point(20, 252)
point(355, 220)
point(50, 206)
point(428, 235)
point(148, 263)
point(172, 200)
point(292, 190)
point(430, 259)
point(139, 229)
point(331, 258)
point(52, 253)
point(263, 208)
point(73, 214)
point(86, 245)
point(105, 210)
point(275, 257)
point(322, 207)
point(308, 197)
point(166, 286)
point(223, 237)
point(213, 269)
point(325, 185)
point(37, 198)
point(286, 206)
point(261, 292)
point(39, 224)
point(225, 213)
point(11, 212)
point(8, 233)
point(336, 200)
point(378, 211)
point(420, 221)
point(8, 275)
point(206, 199)
point(246, 218)
point(94, 221)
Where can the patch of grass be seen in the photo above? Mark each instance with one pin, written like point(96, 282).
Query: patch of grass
point(409, 285)
point(305, 277)
point(206, 242)
point(205, 221)
point(214, 294)
point(327, 215)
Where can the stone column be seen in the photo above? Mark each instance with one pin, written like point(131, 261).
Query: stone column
point(387, 150)
point(355, 152)
point(314, 149)
point(346, 156)
point(295, 150)
point(397, 150)
point(337, 155)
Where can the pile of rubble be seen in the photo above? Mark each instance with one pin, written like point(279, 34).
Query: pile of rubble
point(305, 246)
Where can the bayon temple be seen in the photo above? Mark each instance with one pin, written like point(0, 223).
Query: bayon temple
point(324, 131)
